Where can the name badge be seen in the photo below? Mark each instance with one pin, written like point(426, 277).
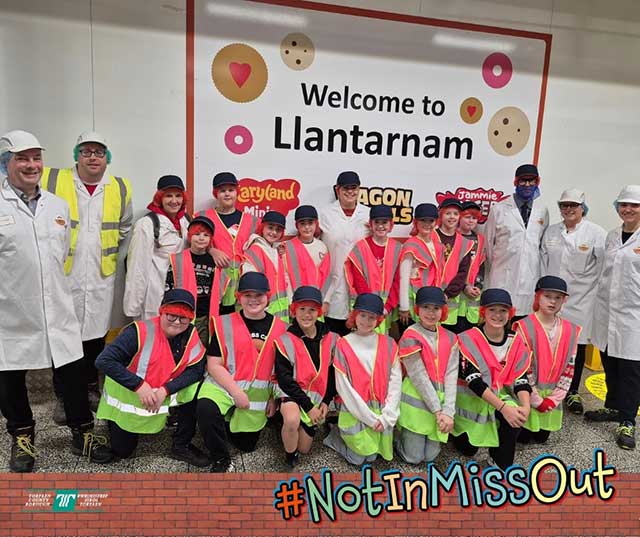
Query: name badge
point(583, 247)
point(7, 220)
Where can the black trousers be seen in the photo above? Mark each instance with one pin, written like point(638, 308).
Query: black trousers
point(90, 350)
point(578, 368)
point(502, 455)
point(623, 385)
point(539, 437)
point(215, 432)
point(123, 443)
point(339, 326)
point(14, 399)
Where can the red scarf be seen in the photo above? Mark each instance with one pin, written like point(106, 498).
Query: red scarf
point(175, 221)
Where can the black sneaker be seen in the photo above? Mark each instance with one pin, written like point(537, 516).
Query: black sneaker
point(626, 435)
point(602, 414)
point(221, 466)
point(86, 443)
point(574, 403)
point(190, 454)
point(23, 451)
point(291, 460)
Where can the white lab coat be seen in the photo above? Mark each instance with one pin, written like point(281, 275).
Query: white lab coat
point(513, 251)
point(340, 233)
point(92, 292)
point(577, 258)
point(39, 324)
point(147, 265)
point(616, 322)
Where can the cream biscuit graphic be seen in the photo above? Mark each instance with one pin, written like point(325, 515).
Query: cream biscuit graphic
point(471, 110)
point(239, 72)
point(508, 131)
point(297, 51)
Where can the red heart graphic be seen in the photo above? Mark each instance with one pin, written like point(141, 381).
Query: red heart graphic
point(240, 72)
point(471, 110)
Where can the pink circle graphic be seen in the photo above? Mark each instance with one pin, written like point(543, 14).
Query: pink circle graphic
point(238, 139)
point(502, 61)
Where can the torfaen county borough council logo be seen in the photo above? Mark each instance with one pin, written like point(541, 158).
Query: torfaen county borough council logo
point(64, 500)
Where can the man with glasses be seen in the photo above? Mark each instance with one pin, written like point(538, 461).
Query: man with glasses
point(574, 250)
point(150, 366)
point(101, 217)
point(513, 233)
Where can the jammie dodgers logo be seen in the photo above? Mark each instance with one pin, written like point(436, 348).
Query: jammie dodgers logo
point(483, 197)
point(258, 197)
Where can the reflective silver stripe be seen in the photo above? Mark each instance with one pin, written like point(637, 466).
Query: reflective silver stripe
point(227, 330)
point(359, 427)
point(545, 385)
point(255, 260)
point(294, 265)
point(123, 195)
point(290, 351)
point(53, 180)
point(243, 384)
point(107, 226)
point(110, 251)
point(132, 409)
point(260, 384)
point(466, 340)
point(409, 342)
point(197, 349)
point(74, 223)
point(412, 401)
point(357, 253)
point(177, 274)
point(341, 359)
point(257, 405)
point(477, 418)
point(145, 353)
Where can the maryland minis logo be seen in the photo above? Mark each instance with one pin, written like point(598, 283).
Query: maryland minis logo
point(258, 197)
point(483, 197)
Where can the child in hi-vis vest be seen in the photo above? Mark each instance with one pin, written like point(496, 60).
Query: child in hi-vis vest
point(429, 354)
point(368, 383)
point(304, 371)
point(553, 342)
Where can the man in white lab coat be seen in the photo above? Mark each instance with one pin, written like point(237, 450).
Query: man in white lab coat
point(343, 223)
point(39, 326)
point(574, 250)
point(616, 324)
point(101, 217)
point(513, 233)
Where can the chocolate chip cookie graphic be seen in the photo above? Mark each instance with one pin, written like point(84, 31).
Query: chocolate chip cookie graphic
point(508, 131)
point(297, 51)
point(239, 72)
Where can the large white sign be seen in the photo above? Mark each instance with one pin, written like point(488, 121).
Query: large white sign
point(288, 97)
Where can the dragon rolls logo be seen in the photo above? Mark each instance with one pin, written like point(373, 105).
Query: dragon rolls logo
point(482, 196)
point(258, 197)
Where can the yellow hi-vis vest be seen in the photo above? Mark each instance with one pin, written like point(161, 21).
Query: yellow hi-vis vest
point(117, 194)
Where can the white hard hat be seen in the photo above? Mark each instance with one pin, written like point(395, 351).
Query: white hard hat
point(16, 141)
point(629, 194)
point(572, 195)
point(91, 136)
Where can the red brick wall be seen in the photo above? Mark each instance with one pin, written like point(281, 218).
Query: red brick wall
point(242, 504)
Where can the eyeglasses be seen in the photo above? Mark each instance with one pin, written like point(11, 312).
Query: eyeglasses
point(173, 318)
point(569, 205)
point(527, 181)
point(86, 153)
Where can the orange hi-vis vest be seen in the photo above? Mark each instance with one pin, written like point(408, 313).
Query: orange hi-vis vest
point(225, 241)
point(429, 265)
point(301, 268)
point(311, 380)
point(154, 360)
point(435, 363)
point(276, 277)
point(477, 260)
point(371, 387)
point(475, 348)
point(548, 364)
point(380, 279)
point(184, 277)
point(461, 247)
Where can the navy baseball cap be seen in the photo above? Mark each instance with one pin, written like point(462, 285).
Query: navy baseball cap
point(348, 179)
point(492, 297)
point(552, 283)
point(369, 302)
point(307, 293)
point(430, 295)
point(179, 296)
point(380, 212)
point(205, 221)
point(425, 210)
point(170, 181)
point(224, 178)
point(450, 202)
point(253, 281)
point(468, 205)
point(306, 212)
point(527, 170)
point(274, 217)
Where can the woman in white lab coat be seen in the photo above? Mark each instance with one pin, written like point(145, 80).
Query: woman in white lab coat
point(574, 250)
point(616, 326)
point(152, 245)
point(513, 233)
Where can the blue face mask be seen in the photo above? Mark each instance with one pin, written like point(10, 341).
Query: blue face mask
point(527, 192)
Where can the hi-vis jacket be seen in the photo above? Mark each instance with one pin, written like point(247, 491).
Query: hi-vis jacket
point(39, 323)
point(154, 363)
point(99, 223)
point(616, 322)
point(301, 268)
point(577, 258)
point(513, 251)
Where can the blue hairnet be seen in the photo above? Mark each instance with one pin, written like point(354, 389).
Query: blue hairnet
point(4, 162)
